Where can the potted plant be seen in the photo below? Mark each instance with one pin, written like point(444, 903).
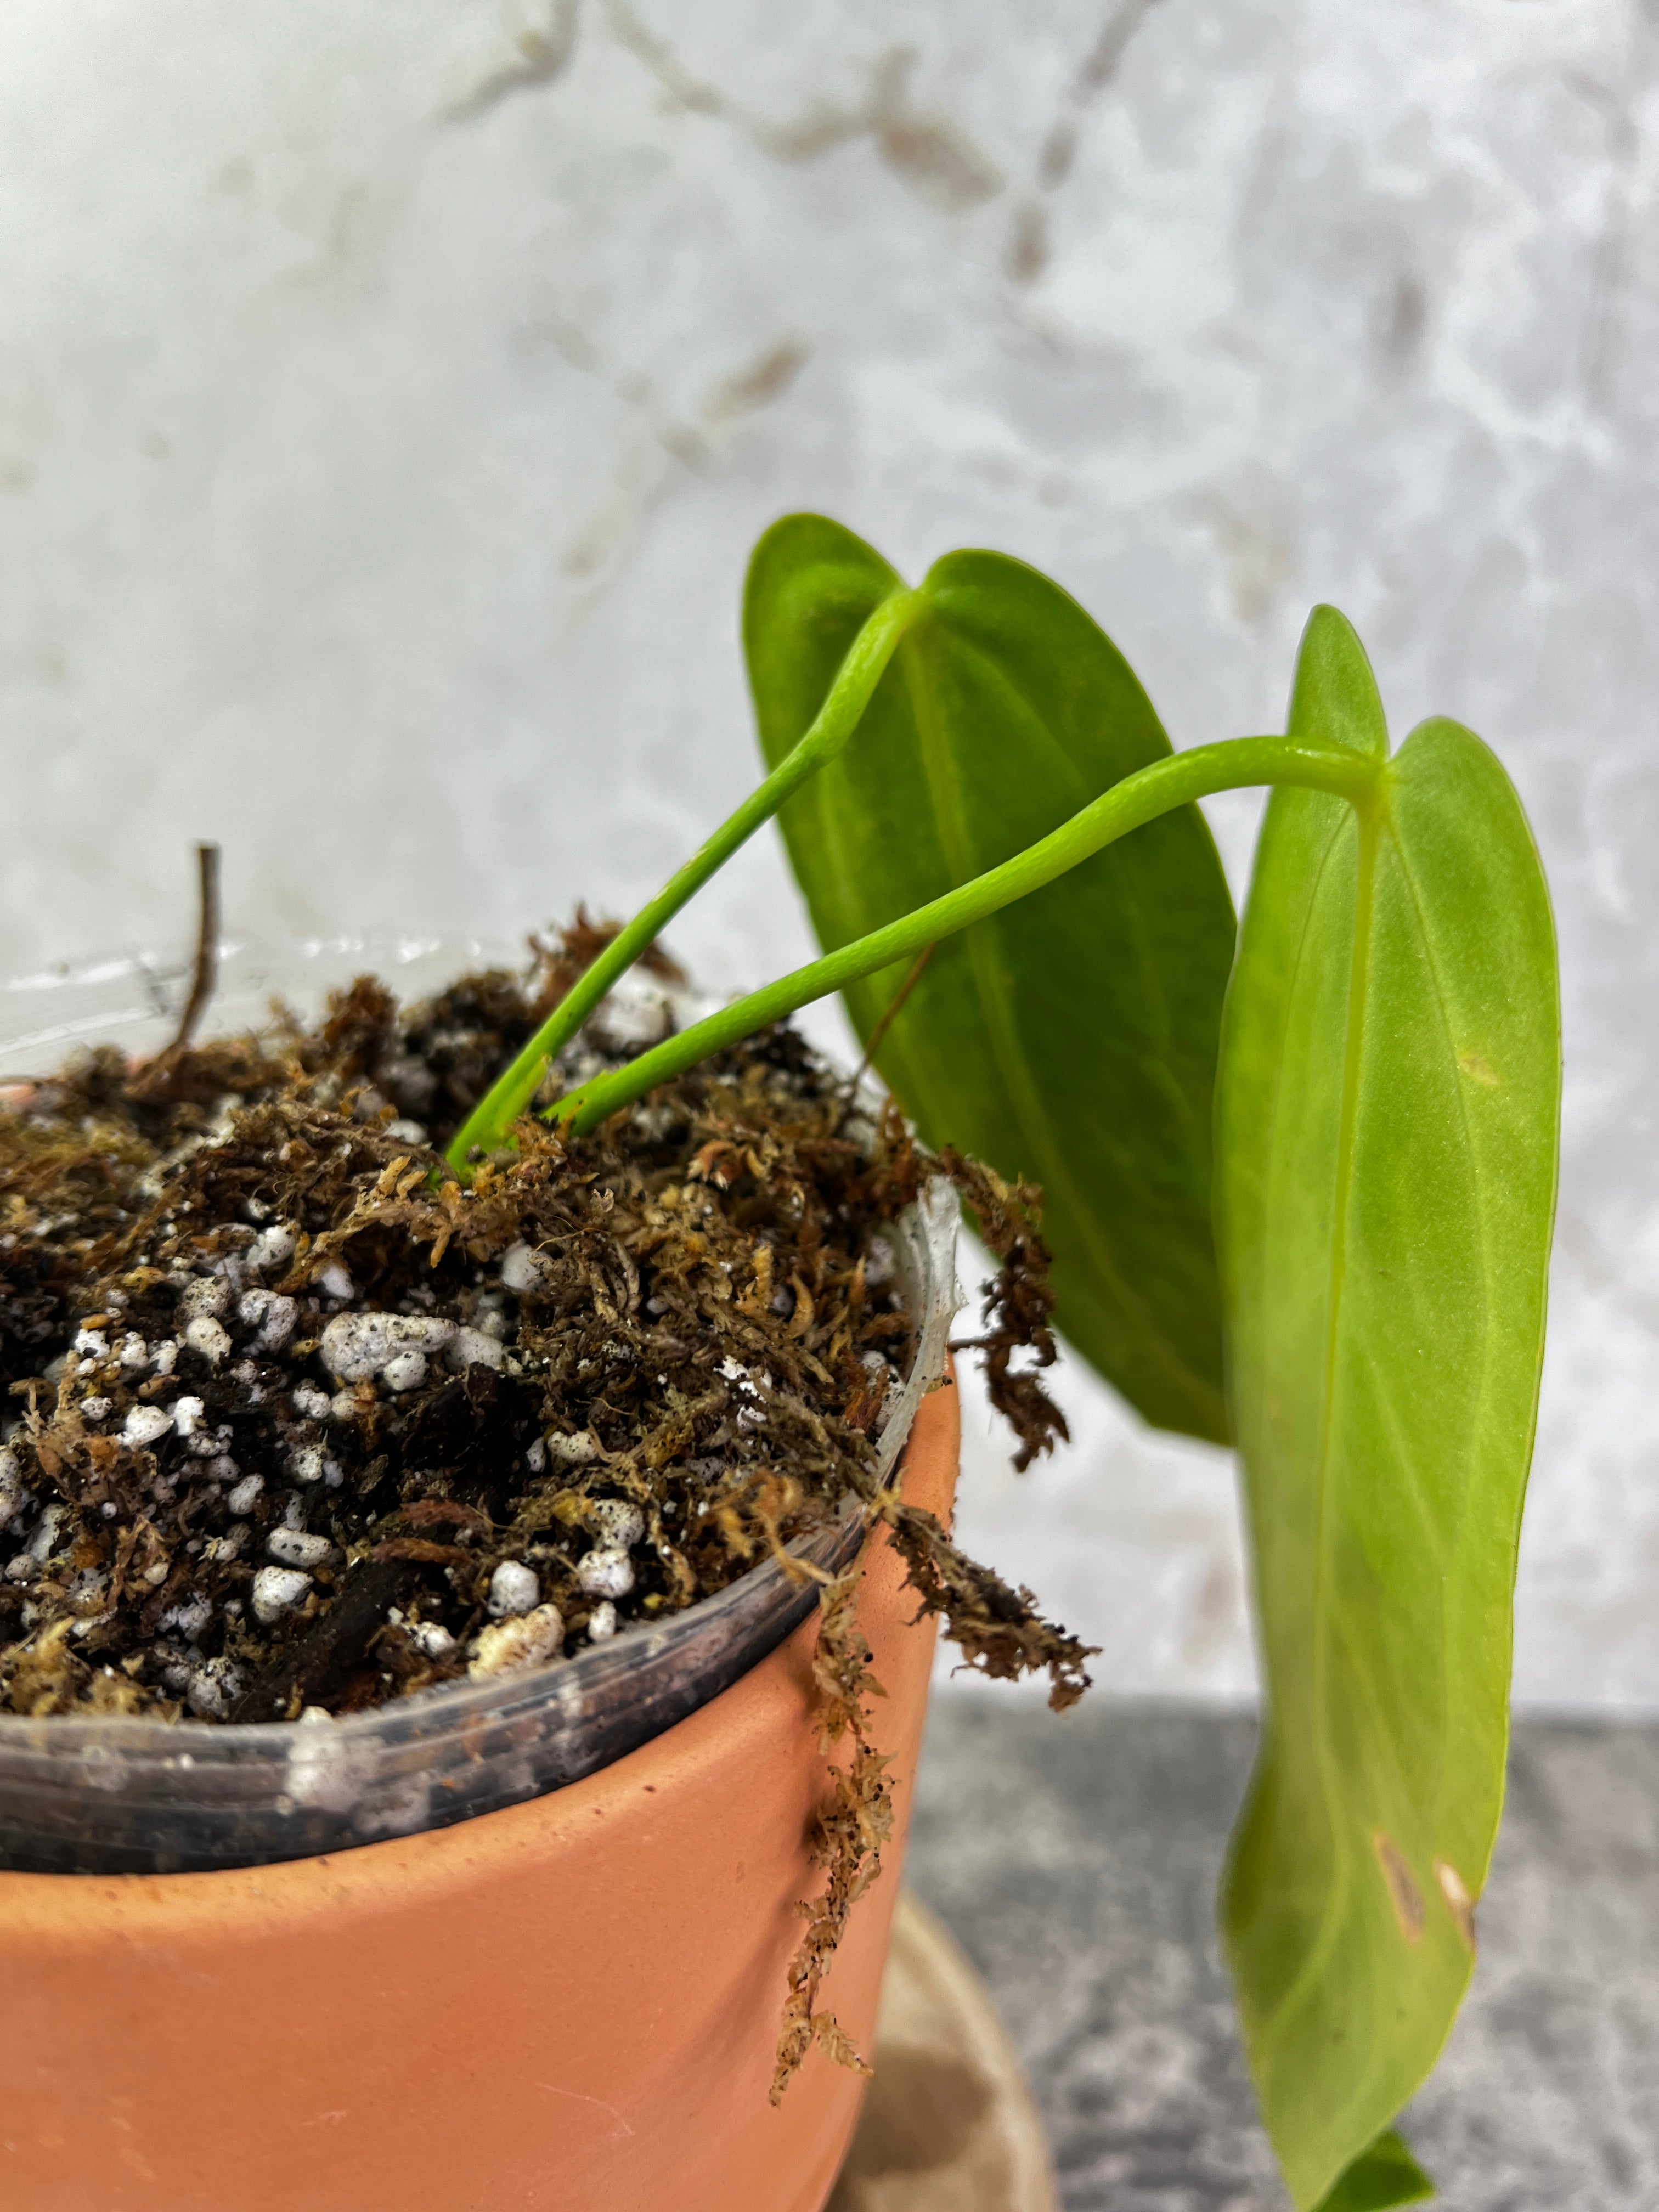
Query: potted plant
point(1299, 1189)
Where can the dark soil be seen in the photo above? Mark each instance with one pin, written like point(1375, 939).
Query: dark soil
point(298, 1420)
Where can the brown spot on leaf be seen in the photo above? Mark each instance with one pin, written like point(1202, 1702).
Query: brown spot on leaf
point(1479, 1069)
point(1403, 1892)
point(1458, 1903)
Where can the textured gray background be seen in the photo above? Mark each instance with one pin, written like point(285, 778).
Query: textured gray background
point(388, 398)
point(1075, 1859)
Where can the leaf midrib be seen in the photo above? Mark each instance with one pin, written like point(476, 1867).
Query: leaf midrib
point(1335, 1910)
point(1372, 821)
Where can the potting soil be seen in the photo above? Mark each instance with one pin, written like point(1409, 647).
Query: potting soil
point(299, 1419)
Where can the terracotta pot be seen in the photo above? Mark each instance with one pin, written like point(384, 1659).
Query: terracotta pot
point(571, 2003)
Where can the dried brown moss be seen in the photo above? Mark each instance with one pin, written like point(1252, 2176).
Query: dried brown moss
point(998, 1630)
point(1019, 1306)
point(848, 1832)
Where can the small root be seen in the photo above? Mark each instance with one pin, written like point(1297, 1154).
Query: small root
point(848, 1834)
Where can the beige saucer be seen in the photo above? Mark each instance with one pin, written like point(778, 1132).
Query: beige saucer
point(948, 2124)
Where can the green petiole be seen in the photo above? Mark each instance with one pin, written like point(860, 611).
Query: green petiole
point(1139, 798)
point(486, 1127)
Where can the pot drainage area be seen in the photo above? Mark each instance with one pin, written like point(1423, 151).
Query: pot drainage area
point(1074, 1860)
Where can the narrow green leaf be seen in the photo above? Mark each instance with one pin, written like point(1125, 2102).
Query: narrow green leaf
point(1070, 1038)
point(1387, 1111)
point(1381, 2176)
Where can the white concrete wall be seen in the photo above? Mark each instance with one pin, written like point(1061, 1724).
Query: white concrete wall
point(388, 398)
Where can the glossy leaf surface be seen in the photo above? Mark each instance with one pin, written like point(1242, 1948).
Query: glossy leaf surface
point(1070, 1038)
point(1386, 1159)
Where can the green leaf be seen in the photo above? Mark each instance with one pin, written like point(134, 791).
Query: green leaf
point(1381, 2176)
point(1387, 1128)
point(1070, 1038)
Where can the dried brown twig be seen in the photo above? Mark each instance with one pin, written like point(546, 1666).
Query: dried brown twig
point(895, 1006)
point(204, 975)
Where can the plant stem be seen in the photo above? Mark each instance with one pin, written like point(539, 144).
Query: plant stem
point(1140, 798)
point(487, 1125)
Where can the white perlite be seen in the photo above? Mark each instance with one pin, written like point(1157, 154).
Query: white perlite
point(606, 1572)
point(472, 1347)
point(297, 1547)
point(12, 1496)
point(190, 1619)
point(513, 1589)
point(41, 1545)
point(145, 1424)
point(580, 1450)
point(309, 1464)
point(272, 1248)
point(204, 1295)
point(525, 1641)
point(602, 1623)
point(523, 1270)
point(356, 1347)
point(617, 1523)
point(272, 1316)
point(188, 1412)
point(215, 1686)
point(277, 1590)
point(407, 1371)
point(209, 1337)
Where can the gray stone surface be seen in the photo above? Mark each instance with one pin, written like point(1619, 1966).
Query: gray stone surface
point(1076, 1858)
